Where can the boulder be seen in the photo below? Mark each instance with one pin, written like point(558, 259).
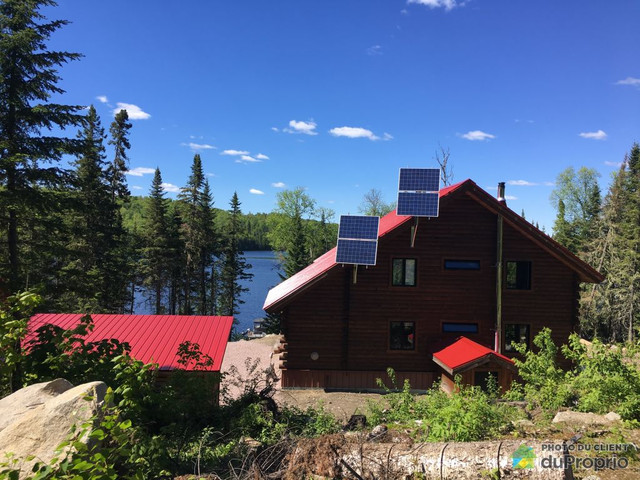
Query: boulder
point(44, 421)
point(580, 419)
point(28, 398)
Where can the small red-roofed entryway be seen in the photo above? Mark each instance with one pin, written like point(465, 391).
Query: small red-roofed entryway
point(474, 363)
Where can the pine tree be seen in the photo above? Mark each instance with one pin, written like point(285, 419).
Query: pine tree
point(208, 280)
point(156, 259)
point(234, 266)
point(29, 77)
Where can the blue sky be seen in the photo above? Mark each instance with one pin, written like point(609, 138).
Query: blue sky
point(337, 95)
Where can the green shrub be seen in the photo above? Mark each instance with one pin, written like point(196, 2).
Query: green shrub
point(467, 414)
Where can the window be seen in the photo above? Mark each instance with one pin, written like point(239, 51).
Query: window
point(402, 336)
point(404, 272)
point(462, 264)
point(515, 333)
point(519, 275)
point(448, 327)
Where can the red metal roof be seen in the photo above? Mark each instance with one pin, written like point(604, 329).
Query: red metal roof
point(463, 352)
point(152, 338)
point(324, 263)
point(317, 270)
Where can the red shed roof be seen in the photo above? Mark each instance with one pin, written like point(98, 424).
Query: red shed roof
point(463, 354)
point(283, 292)
point(152, 338)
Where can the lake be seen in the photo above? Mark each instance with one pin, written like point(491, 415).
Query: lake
point(265, 268)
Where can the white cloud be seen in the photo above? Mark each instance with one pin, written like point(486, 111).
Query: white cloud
point(102, 98)
point(140, 171)
point(510, 197)
point(521, 183)
point(262, 156)
point(307, 128)
point(247, 159)
point(275, 129)
point(549, 184)
point(255, 191)
point(168, 187)
point(134, 111)
point(374, 50)
point(599, 135)
point(613, 164)
point(634, 82)
point(387, 136)
point(210, 174)
point(477, 135)
point(136, 187)
point(278, 185)
point(353, 132)
point(198, 146)
point(234, 152)
point(446, 4)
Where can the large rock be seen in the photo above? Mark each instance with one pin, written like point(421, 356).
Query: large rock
point(38, 418)
point(580, 419)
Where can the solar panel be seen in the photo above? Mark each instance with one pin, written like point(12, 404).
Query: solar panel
point(418, 192)
point(357, 240)
point(357, 252)
point(418, 204)
point(420, 179)
point(360, 227)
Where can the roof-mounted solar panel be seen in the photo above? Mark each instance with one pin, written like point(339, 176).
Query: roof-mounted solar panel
point(358, 227)
point(419, 179)
point(357, 240)
point(356, 252)
point(418, 192)
point(418, 204)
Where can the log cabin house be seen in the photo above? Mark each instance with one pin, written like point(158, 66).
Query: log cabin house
point(478, 271)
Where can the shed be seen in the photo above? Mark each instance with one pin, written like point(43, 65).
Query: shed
point(152, 338)
point(474, 363)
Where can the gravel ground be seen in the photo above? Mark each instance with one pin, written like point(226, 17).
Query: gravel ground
point(240, 357)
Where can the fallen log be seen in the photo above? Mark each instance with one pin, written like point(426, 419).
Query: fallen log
point(357, 459)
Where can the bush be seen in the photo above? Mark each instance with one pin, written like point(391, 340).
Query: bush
point(468, 414)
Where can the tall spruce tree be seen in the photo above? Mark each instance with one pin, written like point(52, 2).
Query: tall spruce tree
point(611, 310)
point(119, 131)
point(196, 232)
point(29, 174)
point(91, 225)
point(156, 253)
point(234, 267)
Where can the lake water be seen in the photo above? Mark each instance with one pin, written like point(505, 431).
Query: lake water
point(265, 269)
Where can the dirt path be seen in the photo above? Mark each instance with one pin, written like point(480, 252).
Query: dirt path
point(239, 361)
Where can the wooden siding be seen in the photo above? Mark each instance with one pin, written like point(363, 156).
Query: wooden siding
point(348, 324)
point(353, 380)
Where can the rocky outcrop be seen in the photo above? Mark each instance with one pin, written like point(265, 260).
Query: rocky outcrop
point(36, 419)
point(580, 419)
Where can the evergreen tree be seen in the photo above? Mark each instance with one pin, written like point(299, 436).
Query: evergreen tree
point(208, 278)
point(234, 266)
point(117, 169)
point(156, 259)
point(29, 76)
point(611, 310)
point(197, 235)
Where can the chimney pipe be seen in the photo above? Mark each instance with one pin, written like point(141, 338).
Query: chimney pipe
point(501, 197)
